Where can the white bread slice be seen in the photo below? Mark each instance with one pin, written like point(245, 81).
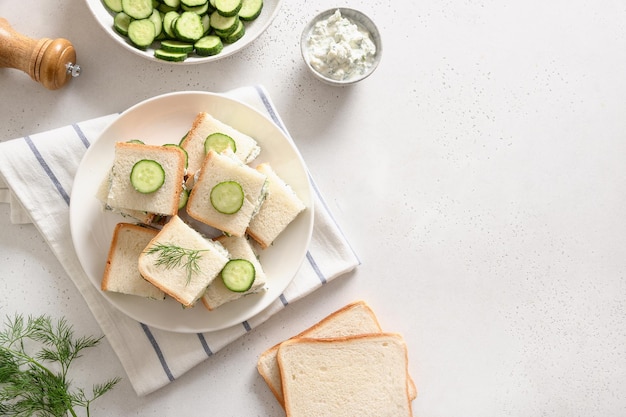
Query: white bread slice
point(123, 197)
point(102, 194)
point(239, 248)
point(176, 282)
point(362, 375)
point(218, 168)
point(121, 273)
point(204, 125)
point(354, 318)
point(280, 207)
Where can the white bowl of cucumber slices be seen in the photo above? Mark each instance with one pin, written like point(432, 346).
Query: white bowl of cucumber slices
point(184, 31)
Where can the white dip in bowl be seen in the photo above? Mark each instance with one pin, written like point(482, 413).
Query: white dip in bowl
point(341, 46)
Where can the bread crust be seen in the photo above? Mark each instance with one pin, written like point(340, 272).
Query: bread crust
point(121, 228)
point(195, 159)
point(216, 293)
point(281, 207)
point(339, 343)
point(270, 354)
point(215, 264)
point(267, 360)
point(205, 124)
point(174, 177)
point(217, 168)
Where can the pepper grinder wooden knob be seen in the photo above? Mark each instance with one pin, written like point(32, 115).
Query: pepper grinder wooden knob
point(49, 62)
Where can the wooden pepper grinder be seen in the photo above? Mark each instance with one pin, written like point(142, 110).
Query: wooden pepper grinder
point(49, 62)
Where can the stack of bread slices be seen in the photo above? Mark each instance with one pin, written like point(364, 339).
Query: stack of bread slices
point(343, 366)
point(181, 213)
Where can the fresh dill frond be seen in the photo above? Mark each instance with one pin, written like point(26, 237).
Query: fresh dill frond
point(37, 383)
point(173, 256)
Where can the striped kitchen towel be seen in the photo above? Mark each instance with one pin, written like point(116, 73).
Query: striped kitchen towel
point(151, 357)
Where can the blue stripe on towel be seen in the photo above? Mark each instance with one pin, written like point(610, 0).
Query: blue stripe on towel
point(47, 170)
point(283, 300)
point(205, 345)
point(269, 108)
point(81, 135)
point(158, 351)
point(316, 268)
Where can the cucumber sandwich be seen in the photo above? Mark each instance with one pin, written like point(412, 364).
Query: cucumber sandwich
point(121, 273)
point(144, 179)
point(181, 262)
point(227, 194)
point(207, 133)
point(242, 275)
point(280, 208)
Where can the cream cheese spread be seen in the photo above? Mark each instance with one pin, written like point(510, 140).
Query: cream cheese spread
point(340, 49)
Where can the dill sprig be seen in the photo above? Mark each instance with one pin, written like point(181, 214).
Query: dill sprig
point(173, 256)
point(37, 383)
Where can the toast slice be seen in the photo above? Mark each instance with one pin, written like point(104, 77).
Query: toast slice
point(363, 375)
point(180, 279)
point(204, 125)
point(279, 209)
point(352, 319)
point(219, 169)
point(121, 273)
point(239, 248)
point(122, 196)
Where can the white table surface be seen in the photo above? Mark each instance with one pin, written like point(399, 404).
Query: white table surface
point(479, 174)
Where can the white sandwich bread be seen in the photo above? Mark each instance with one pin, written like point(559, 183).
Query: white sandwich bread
point(239, 248)
point(280, 208)
point(352, 319)
point(181, 262)
point(355, 318)
point(227, 194)
point(246, 148)
point(102, 194)
point(122, 194)
point(363, 375)
point(121, 273)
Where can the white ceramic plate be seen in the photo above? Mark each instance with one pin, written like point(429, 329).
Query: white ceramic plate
point(165, 119)
point(253, 30)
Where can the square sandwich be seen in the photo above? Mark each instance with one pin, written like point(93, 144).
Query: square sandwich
point(181, 262)
point(227, 194)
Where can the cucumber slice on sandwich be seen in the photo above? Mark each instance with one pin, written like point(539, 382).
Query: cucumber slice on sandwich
point(227, 197)
point(175, 145)
point(238, 275)
point(219, 142)
point(147, 176)
point(184, 196)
